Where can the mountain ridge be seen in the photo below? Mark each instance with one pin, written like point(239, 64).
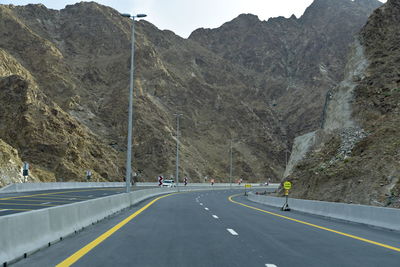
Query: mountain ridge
point(79, 58)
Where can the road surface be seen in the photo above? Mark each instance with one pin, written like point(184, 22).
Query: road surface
point(19, 202)
point(210, 228)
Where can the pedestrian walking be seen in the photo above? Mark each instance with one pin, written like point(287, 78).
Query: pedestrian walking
point(160, 179)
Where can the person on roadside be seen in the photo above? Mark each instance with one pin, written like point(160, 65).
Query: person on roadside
point(185, 180)
point(160, 179)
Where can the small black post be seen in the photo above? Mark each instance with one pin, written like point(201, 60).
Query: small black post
point(286, 205)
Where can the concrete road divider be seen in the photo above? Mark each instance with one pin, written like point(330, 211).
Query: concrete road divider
point(27, 187)
point(24, 233)
point(387, 218)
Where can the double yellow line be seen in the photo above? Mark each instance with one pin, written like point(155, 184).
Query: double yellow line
point(314, 225)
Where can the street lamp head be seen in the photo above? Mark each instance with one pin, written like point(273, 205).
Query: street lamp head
point(126, 15)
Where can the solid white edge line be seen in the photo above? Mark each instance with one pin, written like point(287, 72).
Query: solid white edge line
point(215, 216)
point(231, 231)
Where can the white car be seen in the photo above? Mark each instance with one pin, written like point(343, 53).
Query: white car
point(168, 183)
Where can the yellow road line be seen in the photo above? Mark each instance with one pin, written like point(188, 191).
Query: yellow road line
point(67, 197)
point(57, 197)
point(26, 204)
point(83, 251)
point(55, 193)
point(35, 200)
point(16, 209)
point(314, 225)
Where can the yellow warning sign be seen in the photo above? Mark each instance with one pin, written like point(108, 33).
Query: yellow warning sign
point(287, 185)
point(247, 185)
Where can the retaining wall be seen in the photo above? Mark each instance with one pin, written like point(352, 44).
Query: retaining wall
point(387, 218)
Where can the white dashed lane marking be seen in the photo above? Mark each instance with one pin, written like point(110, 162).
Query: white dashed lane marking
point(270, 265)
point(201, 204)
point(206, 208)
point(46, 203)
point(215, 216)
point(232, 231)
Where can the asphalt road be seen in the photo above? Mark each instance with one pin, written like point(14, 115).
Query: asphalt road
point(20, 202)
point(208, 229)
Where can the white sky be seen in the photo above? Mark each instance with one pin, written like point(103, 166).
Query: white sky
point(184, 16)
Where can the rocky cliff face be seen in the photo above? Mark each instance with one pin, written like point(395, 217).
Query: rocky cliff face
point(49, 138)
point(358, 158)
point(298, 59)
point(11, 166)
point(65, 75)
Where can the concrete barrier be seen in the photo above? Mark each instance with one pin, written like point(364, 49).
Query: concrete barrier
point(387, 218)
point(26, 232)
point(27, 187)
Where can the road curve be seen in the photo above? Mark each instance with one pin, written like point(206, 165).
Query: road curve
point(208, 229)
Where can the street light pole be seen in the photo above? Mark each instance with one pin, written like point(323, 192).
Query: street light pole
point(177, 115)
point(130, 110)
point(230, 171)
point(286, 157)
point(286, 161)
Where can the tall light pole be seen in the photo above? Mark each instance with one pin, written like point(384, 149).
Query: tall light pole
point(230, 170)
point(286, 158)
point(177, 115)
point(130, 116)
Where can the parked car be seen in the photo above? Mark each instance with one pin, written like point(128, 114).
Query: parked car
point(168, 183)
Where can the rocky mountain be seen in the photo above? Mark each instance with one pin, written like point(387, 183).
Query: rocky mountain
point(297, 59)
point(355, 157)
point(64, 79)
point(82, 71)
point(46, 136)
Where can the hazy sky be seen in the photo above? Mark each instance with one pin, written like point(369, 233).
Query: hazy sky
point(184, 16)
